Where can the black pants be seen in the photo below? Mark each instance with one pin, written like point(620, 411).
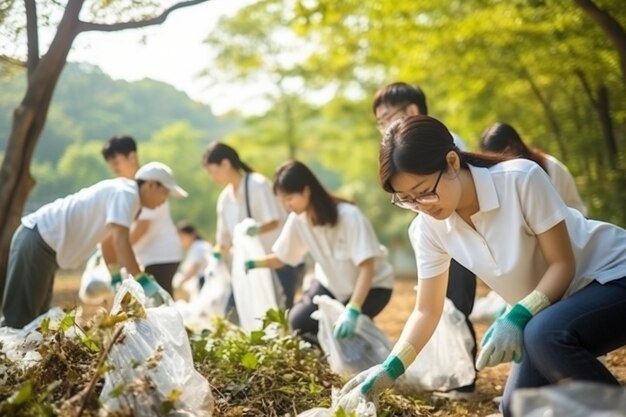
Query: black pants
point(163, 274)
point(300, 315)
point(462, 292)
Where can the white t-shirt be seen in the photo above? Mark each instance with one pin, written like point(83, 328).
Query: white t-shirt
point(197, 254)
point(160, 244)
point(564, 183)
point(459, 142)
point(517, 202)
point(72, 226)
point(264, 208)
point(337, 251)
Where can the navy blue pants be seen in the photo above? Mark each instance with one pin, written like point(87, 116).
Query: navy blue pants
point(563, 341)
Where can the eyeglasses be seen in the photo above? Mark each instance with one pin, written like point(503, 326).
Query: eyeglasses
point(384, 122)
point(429, 197)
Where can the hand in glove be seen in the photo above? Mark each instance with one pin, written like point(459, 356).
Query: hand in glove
point(116, 276)
point(253, 230)
point(254, 263)
point(504, 341)
point(373, 381)
point(216, 253)
point(346, 324)
point(155, 294)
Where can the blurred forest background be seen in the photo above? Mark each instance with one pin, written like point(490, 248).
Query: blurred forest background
point(544, 66)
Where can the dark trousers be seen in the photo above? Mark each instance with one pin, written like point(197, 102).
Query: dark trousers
point(30, 278)
point(462, 292)
point(163, 274)
point(290, 278)
point(300, 315)
point(563, 342)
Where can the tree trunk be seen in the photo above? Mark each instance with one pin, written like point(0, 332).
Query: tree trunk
point(611, 26)
point(28, 122)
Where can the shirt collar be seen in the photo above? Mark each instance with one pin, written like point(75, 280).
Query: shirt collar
point(485, 192)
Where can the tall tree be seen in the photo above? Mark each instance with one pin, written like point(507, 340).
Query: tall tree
point(43, 72)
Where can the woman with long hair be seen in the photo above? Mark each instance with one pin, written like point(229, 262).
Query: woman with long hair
point(350, 264)
point(563, 275)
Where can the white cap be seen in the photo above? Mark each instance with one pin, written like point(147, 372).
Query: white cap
point(157, 171)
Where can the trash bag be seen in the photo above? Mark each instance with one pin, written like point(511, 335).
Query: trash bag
point(95, 283)
point(151, 369)
point(488, 308)
point(212, 299)
point(349, 356)
point(351, 402)
point(445, 362)
point(574, 399)
point(256, 291)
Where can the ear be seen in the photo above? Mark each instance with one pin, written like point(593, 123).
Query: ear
point(454, 160)
point(412, 110)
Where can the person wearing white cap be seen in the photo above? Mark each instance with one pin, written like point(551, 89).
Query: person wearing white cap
point(63, 233)
point(153, 234)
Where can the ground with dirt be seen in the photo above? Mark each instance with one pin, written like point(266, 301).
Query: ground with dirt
point(490, 381)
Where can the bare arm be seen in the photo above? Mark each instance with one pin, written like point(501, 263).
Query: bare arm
point(108, 251)
point(557, 250)
point(138, 230)
point(272, 261)
point(190, 272)
point(123, 250)
point(431, 294)
point(363, 282)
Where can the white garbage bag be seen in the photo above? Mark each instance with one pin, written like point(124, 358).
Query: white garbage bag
point(151, 367)
point(95, 283)
point(488, 308)
point(351, 402)
point(349, 356)
point(445, 362)
point(574, 399)
point(256, 291)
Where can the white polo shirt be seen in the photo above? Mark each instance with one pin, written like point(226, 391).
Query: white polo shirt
point(264, 208)
point(160, 244)
point(198, 254)
point(564, 183)
point(337, 251)
point(72, 226)
point(517, 202)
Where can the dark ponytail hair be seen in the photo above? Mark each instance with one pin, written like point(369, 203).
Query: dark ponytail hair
point(216, 152)
point(293, 177)
point(503, 138)
point(419, 145)
point(187, 228)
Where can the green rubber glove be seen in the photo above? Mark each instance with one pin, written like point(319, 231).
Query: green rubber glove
point(217, 254)
point(346, 324)
point(253, 230)
point(155, 294)
point(504, 340)
point(376, 379)
point(116, 276)
point(254, 263)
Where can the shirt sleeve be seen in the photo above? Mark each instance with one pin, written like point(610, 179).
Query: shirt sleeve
point(264, 205)
point(122, 208)
point(196, 253)
point(147, 214)
point(289, 246)
point(431, 257)
point(542, 206)
point(222, 235)
point(361, 238)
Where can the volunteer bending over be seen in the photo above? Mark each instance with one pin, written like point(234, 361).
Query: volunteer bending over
point(563, 275)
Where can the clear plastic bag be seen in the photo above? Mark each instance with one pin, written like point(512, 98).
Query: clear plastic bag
point(349, 356)
point(256, 291)
point(489, 307)
point(575, 399)
point(351, 402)
point(151, 367)
point(445, 362)
point(95, 283)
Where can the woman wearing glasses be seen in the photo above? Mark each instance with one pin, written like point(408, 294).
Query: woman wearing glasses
point(350, 264)
point(563, 275)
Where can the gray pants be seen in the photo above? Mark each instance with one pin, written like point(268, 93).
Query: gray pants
point(30, 278)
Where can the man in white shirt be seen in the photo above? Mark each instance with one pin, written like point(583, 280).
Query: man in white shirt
point(153, 234)
point(63, 233)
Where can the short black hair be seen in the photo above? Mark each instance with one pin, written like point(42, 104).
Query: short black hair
point(118, 145)
point(401, 94)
